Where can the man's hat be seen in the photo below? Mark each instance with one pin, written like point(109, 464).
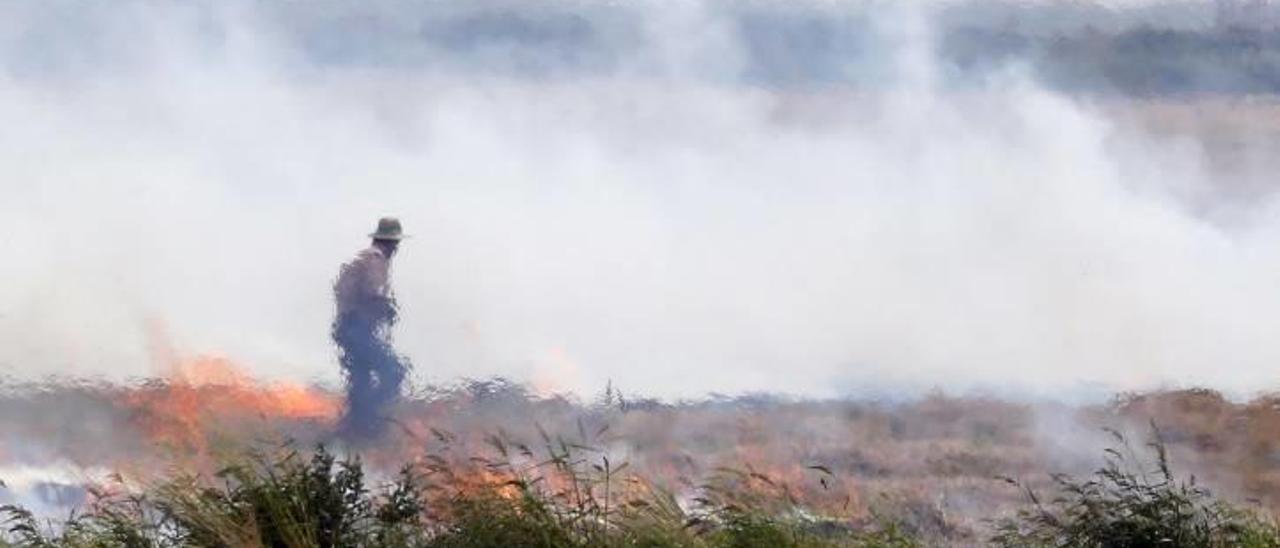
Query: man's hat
point(388, 229)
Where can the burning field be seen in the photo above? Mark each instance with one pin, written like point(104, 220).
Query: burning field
point(934, 469)
point(955, 262)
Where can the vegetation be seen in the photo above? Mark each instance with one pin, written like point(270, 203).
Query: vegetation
point(1140, 61)
point(561, 498)
point(565, 494)
point(1125, 504)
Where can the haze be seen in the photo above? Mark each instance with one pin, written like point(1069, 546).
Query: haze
point(597, 193)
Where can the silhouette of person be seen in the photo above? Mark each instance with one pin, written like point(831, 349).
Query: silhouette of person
point(366, 311)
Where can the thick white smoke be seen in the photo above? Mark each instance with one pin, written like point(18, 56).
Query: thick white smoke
point(659, 222)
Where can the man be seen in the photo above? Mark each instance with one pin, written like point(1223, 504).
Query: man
point(366, 311)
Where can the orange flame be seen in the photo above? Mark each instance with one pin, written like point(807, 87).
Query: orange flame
point(207, 394)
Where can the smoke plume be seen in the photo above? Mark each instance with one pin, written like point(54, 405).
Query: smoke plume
point(681, 197)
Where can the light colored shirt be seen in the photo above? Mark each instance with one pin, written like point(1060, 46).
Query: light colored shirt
point(363, 287)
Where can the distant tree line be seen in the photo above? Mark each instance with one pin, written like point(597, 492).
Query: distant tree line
point(1138, 61)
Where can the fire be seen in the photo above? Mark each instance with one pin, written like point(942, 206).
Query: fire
point(206, 396)
point(556, 372)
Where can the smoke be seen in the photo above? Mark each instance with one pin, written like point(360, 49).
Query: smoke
point(633, 193)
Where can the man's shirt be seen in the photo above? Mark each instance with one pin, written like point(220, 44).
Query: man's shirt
point(363, 287)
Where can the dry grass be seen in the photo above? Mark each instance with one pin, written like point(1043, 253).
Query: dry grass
point(932, 464)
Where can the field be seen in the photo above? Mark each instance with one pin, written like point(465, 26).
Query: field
point(210, 456)
point(212, 452)
point(923, 247)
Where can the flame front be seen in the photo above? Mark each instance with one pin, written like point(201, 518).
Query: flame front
point(205, 396)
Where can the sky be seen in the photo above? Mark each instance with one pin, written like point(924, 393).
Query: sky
point(678, 198)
